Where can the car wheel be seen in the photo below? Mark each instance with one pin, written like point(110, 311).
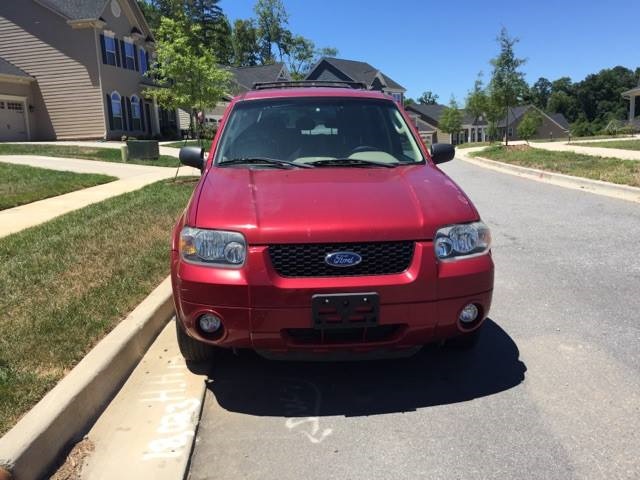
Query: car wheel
point(466, 341)
point(192, 350)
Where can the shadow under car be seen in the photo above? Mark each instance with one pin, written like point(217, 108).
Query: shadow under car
point(252, 385)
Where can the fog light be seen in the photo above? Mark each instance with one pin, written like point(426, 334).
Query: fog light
point(468, 314)
point(209, 323)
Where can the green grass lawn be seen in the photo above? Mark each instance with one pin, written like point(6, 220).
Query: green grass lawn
point(574, 139)
point(473, 144)
point(626, 172)
point(66, 283)
point(190, 143)
point(87, 153)
point(623, 144)
point(21, 184)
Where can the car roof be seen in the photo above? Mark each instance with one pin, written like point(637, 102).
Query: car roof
point(311, 92)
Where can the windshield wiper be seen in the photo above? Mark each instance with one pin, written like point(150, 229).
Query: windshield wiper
point(264, 161)
point(350, 162)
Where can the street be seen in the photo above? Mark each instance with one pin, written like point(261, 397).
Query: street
point(551, 391)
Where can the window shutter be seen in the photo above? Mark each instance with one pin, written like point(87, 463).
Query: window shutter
point(110, 111)
point(123, 54)
point(142, 116)
point(117, 43)
point(135, 57)
point(123, 103)
point(103, 48)
point(129, 113)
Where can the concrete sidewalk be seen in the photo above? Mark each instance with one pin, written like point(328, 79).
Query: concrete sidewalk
point(586, 150)
point(132, 177)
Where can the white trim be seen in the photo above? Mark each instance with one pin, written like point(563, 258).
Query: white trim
point(5, 77)
point(108, 33)
point(105, 114)
point(25, 107)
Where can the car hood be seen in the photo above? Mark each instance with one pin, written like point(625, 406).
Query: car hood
point(331, 204)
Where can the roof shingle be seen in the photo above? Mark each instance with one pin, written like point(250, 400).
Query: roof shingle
point(7, 68)
point(77, 9)
point(361, 72)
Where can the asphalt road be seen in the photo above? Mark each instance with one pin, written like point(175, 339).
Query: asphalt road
point(551, 391)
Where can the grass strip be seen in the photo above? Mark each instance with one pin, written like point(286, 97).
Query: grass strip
point(86, 153)
point(622, 144)
point(21, 184)
point(66, 283)
point(190, 143)
point(615, 170)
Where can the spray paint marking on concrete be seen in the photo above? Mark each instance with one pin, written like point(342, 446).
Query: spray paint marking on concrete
point(176, 428)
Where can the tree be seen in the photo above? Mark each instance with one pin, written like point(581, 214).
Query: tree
point(190, 71)
point(507, 81)
point(301, 55)
point(540, 92)
point(272, 21)
point(244, 40)
point(476, 103)
point(428, 98)
point(529, 124)
point(451, 118)
point(409, 101)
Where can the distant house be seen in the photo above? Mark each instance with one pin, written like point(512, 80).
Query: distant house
point(243, 80)
point(553, 125)
point(76, 70)
point(632, 95)
point(337, 69)
point(427, 120)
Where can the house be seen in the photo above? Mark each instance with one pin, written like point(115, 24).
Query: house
point(243, 80)
point(337, 69)
point(553, 125)
point(73, 69)
point(427, 120)
point(632, 95)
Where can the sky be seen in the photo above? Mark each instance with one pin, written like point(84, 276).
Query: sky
point(442, 46)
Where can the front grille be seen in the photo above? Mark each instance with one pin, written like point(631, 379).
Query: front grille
point(337, 336)
point(307, 260)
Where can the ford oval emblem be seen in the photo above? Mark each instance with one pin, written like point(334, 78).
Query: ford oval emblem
point(342, 259)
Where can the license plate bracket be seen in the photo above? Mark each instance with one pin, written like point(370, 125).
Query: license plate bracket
point(345, 310)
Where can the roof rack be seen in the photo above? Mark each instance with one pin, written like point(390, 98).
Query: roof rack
point(309, 83)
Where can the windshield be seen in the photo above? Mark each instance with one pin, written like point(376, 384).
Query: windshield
point(329, 131)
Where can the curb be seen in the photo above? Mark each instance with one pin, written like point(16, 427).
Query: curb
point(33, 446)
point(598, 187)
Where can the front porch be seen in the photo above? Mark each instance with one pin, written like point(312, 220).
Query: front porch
point(632, 96)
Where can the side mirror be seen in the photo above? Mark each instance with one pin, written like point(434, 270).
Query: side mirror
point(442, 152)
point(192, 157)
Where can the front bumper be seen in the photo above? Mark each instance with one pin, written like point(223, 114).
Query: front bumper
point(263, 311)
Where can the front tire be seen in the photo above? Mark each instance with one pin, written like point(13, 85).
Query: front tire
point(191, 349)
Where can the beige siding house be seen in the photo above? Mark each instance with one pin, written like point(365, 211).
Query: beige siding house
point(77, 69)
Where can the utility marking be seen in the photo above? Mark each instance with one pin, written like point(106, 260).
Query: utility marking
point(296, 406)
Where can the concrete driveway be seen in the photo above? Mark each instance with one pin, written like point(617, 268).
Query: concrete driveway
point(551, 392)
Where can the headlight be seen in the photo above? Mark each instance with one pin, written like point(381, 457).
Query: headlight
point(213, 247)
point(456, 241)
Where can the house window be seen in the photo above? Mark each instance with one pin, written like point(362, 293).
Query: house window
point(397, 97)
point(130, 56)
point(110, 50)
point(17, 106)
point(135, 113)
point(1, 105)
point(143, 61)
point(116, 111)
point(510, 132)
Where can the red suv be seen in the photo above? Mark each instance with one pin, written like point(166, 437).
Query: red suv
point(321, 227)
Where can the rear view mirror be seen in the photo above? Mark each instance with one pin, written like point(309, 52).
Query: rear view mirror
point(192, 157)
point(442, 152)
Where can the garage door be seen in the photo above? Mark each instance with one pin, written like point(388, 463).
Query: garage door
point(12, 121)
